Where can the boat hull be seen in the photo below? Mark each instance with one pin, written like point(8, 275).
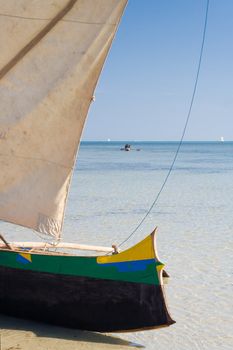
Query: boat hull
point(104, 294)
point(82, 302)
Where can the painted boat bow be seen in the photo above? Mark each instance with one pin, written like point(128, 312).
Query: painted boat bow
point(119, 292)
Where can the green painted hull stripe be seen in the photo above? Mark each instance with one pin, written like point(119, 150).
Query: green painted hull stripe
point(142, 271)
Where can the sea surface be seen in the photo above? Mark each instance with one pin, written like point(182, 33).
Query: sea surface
point(111, 193)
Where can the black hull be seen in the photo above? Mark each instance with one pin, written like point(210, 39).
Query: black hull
point(82, 302)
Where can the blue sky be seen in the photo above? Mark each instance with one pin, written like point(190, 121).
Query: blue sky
point(145, 88)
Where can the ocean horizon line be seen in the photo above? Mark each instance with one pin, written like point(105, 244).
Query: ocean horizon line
point(155, 141)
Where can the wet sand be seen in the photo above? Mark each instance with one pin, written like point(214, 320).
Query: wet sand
point(17, 334)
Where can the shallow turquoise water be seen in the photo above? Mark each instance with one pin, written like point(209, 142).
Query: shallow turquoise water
point(194, 216)
point(111, 192)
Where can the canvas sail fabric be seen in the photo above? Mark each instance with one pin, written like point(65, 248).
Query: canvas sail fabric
point(51, 56)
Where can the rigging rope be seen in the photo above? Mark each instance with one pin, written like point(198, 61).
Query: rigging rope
point(184, 130)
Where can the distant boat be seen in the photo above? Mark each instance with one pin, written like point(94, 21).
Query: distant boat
point(127, 147)
point(222, 139)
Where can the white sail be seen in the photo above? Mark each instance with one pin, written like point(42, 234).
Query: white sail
point(52, 52)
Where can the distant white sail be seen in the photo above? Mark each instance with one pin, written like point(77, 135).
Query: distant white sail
point(222, 139)
point(52, 53)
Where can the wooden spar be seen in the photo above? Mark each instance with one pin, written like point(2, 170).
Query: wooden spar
point(42, 245)
point(5, 242)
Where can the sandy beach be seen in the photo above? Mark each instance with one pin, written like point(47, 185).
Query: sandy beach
point(16, 334)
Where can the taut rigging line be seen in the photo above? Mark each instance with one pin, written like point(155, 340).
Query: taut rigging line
point(184, 129)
